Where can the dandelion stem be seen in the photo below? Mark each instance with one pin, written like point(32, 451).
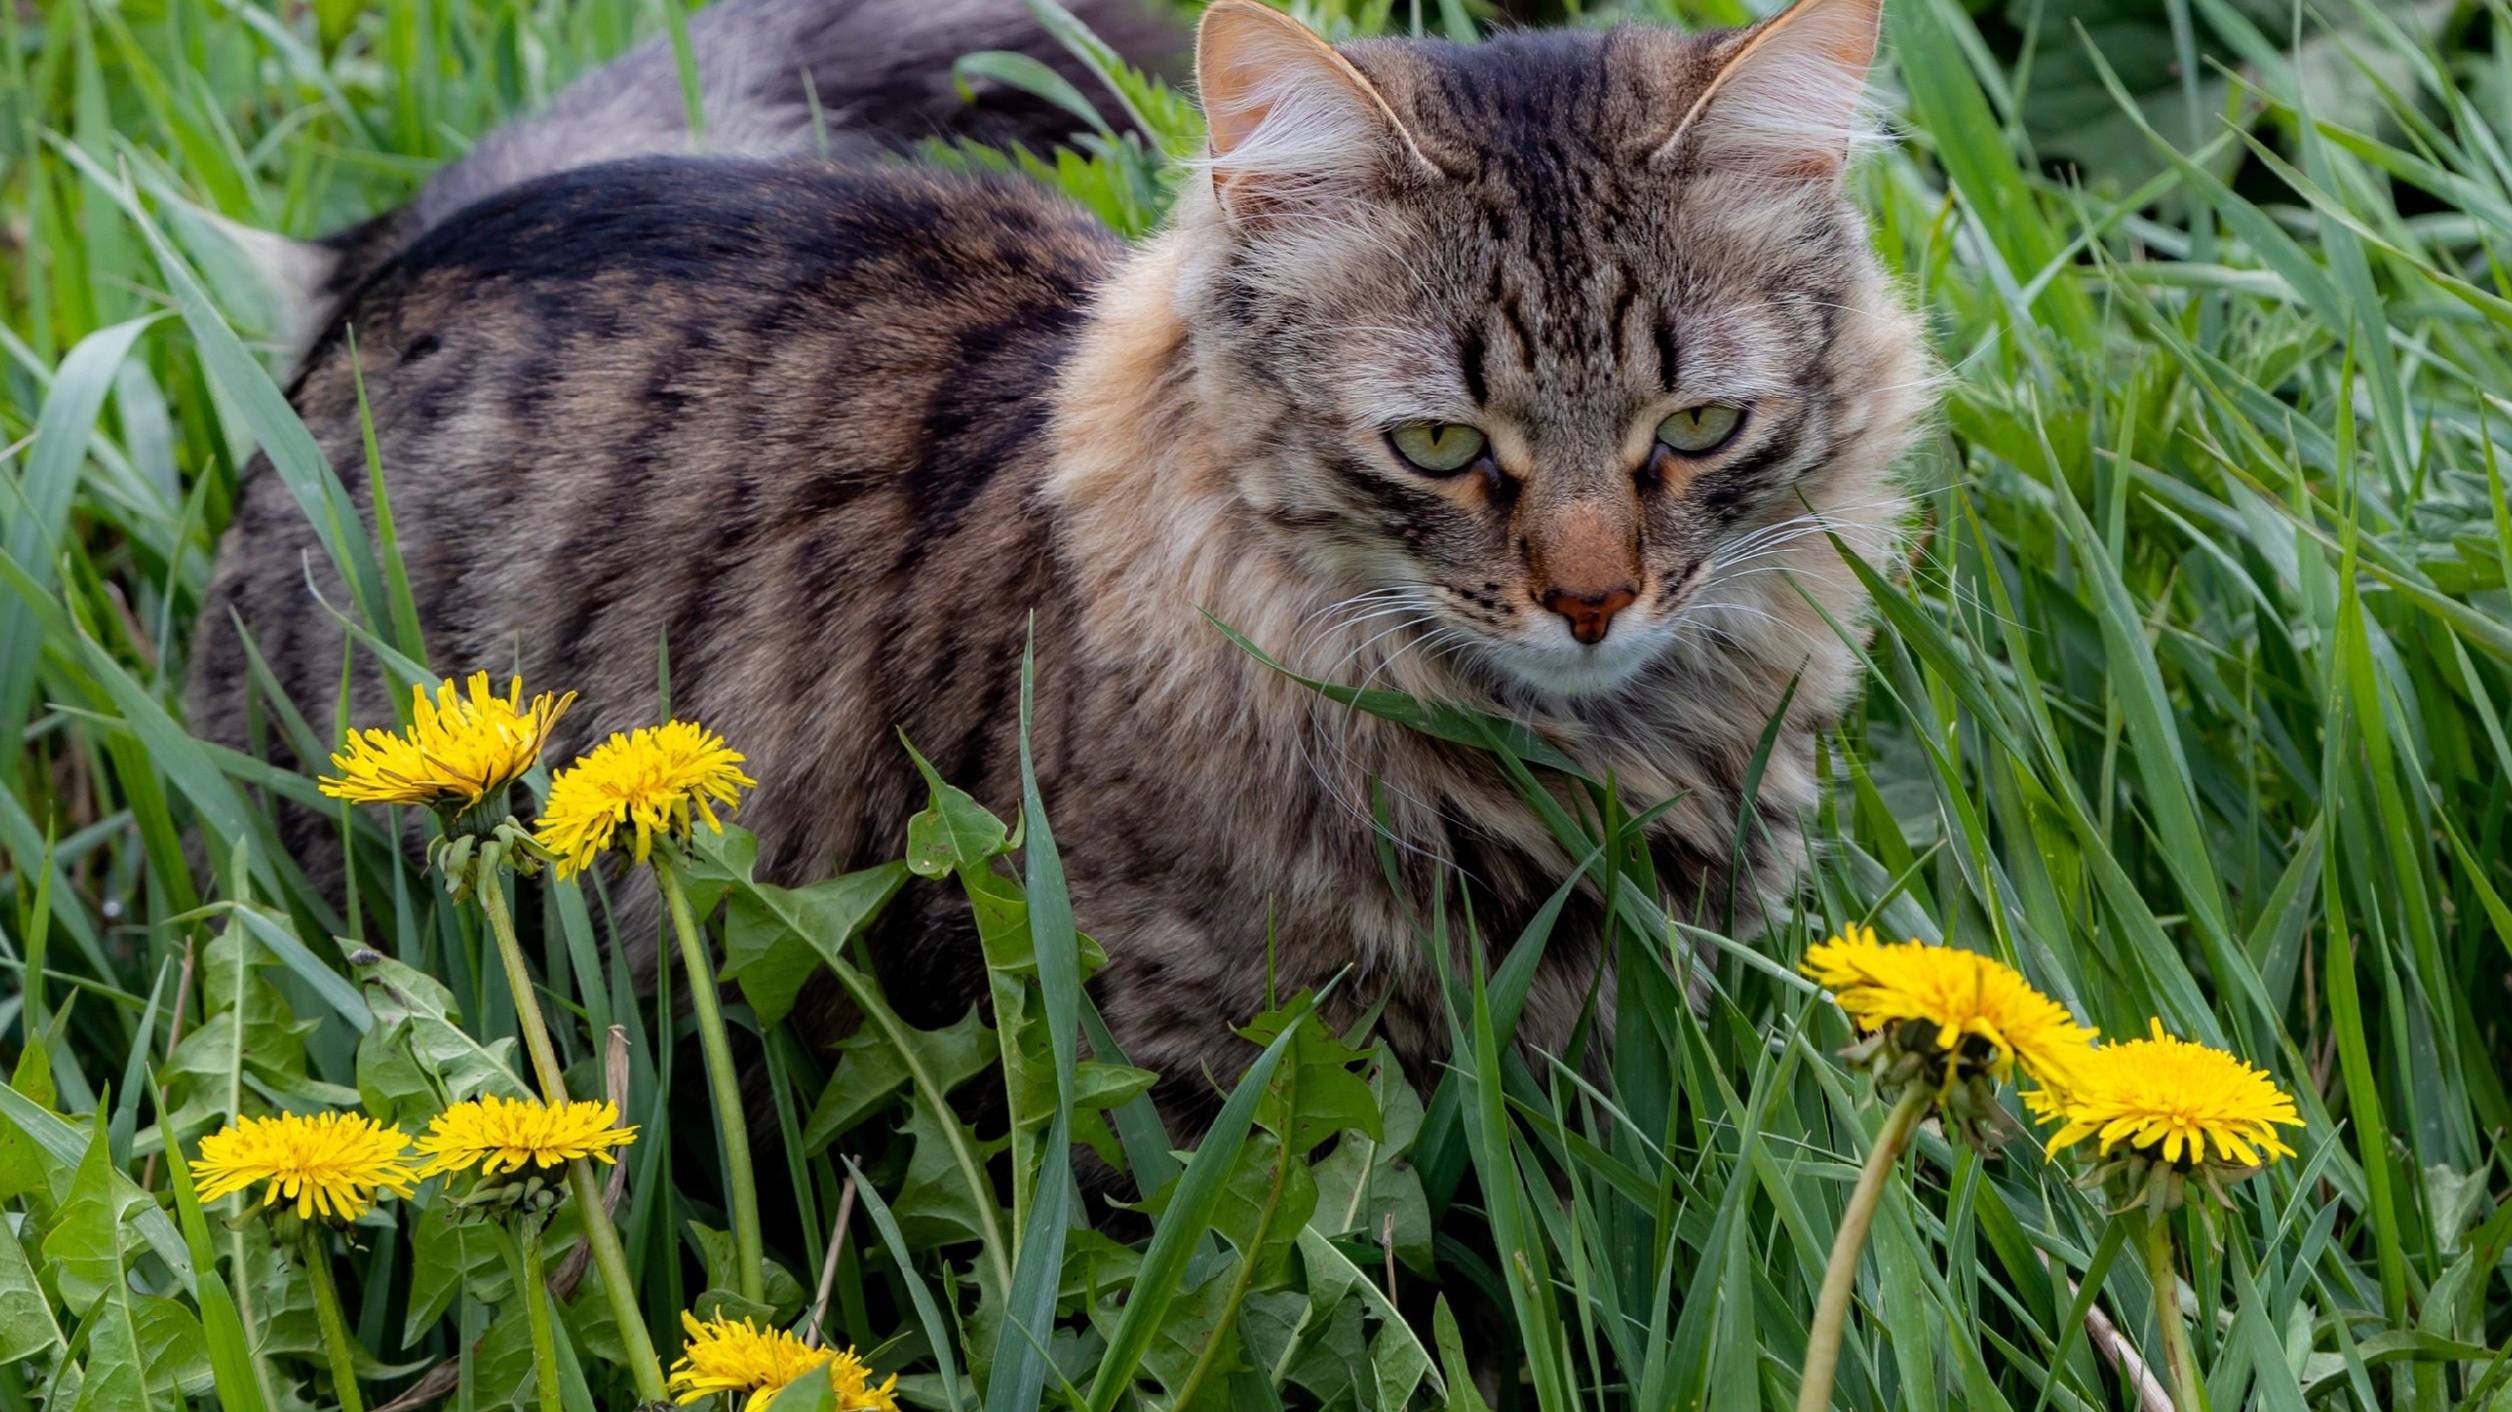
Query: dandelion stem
point(536, 1313)
point(536, 1041)
point(2186, 1395)
point(344, 1364)
point(611, 1263)
point(749, 1255)
point(1840, 1277)
point(600, 1236)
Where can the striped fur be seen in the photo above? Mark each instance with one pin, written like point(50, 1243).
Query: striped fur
point(865, 78)
point(840, 434)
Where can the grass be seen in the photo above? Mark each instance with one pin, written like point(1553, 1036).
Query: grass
point(2192, 708)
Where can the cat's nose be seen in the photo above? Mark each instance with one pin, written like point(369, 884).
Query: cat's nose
point(1589, 614)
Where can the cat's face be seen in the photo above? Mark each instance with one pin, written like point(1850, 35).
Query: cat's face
point(1540, 346)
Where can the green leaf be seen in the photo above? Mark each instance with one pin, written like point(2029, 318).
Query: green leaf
point(1398, 1362)
point(1333, 1359)
point(1018, 1378)
point(26, 1323)
point(174, 1349)
point(936, 1202)
point(872, 1070)
point(416, 1013)
point(448, 1257)
point(1192, 1201)
point(954, 831)
point(1263, 1207)
point(1318, 1094)
point(37, 528)
point(248, 1029)
point(23, 1169)
point(114, 1377)
point(1028, 75)
point(812, 1392)
point(928, 1314)
point(1449, 723)
point(229, 1348)
point(940, 1131)
point(1462, 1396)
point(85, 1247)
point(775, 938)
point(1196, 1330)
point(785, 1294)
point(1367, 1186)
point(294, 454)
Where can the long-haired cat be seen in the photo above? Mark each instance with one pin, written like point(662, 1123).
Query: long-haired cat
point(1524, 375)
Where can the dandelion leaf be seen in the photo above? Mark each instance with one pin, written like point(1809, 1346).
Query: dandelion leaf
point(27, 1327)
point(84, 1249)
point(414, 1011)
point(870, 1072)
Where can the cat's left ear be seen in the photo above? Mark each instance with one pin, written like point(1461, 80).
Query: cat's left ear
point(1786, 97)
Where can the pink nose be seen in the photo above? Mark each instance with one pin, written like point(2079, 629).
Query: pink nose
point(1588, 614)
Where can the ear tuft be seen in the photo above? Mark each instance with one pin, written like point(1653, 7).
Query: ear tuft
point(1290, 119)
point(1789, 96)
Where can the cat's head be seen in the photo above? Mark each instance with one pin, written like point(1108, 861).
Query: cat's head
point(1541, 348)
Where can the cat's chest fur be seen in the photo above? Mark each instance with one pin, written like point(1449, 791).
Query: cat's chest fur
point(1220, 828)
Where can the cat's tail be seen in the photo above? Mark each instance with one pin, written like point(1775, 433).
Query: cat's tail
point(776, 76)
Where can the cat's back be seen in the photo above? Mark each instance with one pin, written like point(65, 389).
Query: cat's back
point(569, 299)
point(754, 409)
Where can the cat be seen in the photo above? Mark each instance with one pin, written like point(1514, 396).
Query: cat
point(1537, 376)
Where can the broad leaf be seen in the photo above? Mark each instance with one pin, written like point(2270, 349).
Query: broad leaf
point(871, 1071)
point(26, 1323)
point(414, 1011)
point(776, 938)
point(85, 1247)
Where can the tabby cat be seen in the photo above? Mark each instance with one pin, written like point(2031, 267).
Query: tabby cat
point(1535, 376)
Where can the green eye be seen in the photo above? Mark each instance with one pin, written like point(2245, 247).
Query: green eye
point(1441, 448)
point(1697, 431)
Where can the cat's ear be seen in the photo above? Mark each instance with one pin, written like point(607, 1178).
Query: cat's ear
point(1290, 119)
point(1787, 97)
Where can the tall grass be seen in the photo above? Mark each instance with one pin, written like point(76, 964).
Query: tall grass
point(2191, 707)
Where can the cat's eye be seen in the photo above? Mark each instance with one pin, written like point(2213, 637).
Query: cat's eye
point(1440, 448)
point(1698, 431)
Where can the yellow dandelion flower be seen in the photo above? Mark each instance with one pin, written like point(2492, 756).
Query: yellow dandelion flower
point(1961, 994)
point(330, 1164)
point(461, 748)
point(498, 1134)
point(742, 1360)
point(2169, 1098)
point(851, 1378)
point(651, 779)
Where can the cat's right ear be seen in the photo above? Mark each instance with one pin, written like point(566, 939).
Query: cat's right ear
point(1788, 96)
point(1292, 122)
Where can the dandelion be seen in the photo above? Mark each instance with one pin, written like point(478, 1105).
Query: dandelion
point(462, 749)
point(493, 1135)
point(2166, 1098)
point(331, 1164)
point(656, 781)
point(742, 1360)
point(1956, 1009)
point(496, 1135)
point(651, 780)
point(1941, 1028)
point(2162, 1111)
point(460, 757)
